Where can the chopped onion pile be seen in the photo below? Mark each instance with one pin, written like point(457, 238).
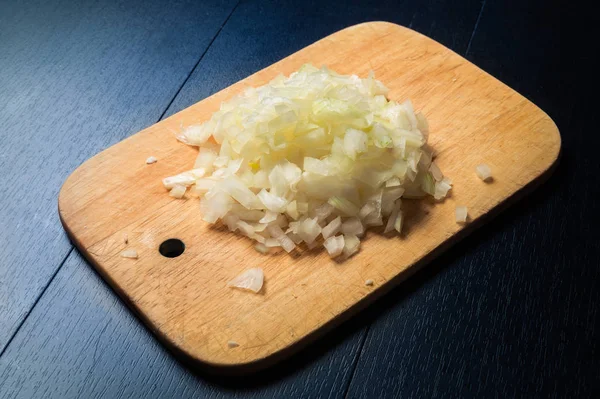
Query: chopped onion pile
point(315, 158)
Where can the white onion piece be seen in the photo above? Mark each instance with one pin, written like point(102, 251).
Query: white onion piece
point(194, 135)
point(393, 182)
point(391, 224)
point(259, 227)
point(205, 159)
point(198, 172)
point(461, 214)
point(323, 211)
point(202, 186)
point(334, 246)
point(286, 243)
point(245, 228)
point(295, 238)
point(178, 191)
point(484, 172)
point(184, 179)
point(309, 230)
point(251, 280)
point(442, 188)
point(231, 221)
point(272, 243)
point(215, 206)
point(239, 192)
point(258, 238)
point(261, 179)
point(316, 166)
point(373, 220)
point(436, 172)
point(221, 161)
point(292, 210)
point(355, 142)
point(389, 198)
point(353, 226)
point(366, 210)
point(351, 245)
point(262, 248)
point(332, 228)
point(272, 202)
point(269, 217)
point(346, 207)
point(129, 253)
point(151, 160)
point(398, 221)
point(249, 215)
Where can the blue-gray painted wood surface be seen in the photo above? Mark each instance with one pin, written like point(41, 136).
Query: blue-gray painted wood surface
point(75, 78)
point(510, 311)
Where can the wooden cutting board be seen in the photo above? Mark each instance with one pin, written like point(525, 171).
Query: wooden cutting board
point(473, 118)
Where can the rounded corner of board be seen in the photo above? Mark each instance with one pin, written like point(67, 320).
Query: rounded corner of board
point(378, 25)
point(63, 193)
point(554, 138)
point(219, 367)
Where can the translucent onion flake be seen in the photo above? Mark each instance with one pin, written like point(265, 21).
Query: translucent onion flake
point(251, 280)
point(461, 214)
point(129, 253)
point(313, 159)
point(334, 245)
point(484, 172)
point(178, 191)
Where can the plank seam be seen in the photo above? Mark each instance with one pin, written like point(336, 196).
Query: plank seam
point(356, 360)
point(14, 334)
point(199, 60)
point(37, 299)
point(475, 28)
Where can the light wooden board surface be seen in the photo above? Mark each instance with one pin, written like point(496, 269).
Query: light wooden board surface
point(473, 119)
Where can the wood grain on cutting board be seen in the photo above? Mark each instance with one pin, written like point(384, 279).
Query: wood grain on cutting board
point(473, 119)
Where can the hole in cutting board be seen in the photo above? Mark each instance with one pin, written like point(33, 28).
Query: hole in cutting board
point(171, 248)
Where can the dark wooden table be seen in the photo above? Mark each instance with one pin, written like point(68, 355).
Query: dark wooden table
point(513, 310)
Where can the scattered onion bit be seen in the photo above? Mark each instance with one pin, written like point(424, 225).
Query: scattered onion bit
point(232, 344)
point(461, 214)
point(251, 280)
point(484, 172)
point(369, 283)
point(129, 253)
point(309, 156)
point(151, 160)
